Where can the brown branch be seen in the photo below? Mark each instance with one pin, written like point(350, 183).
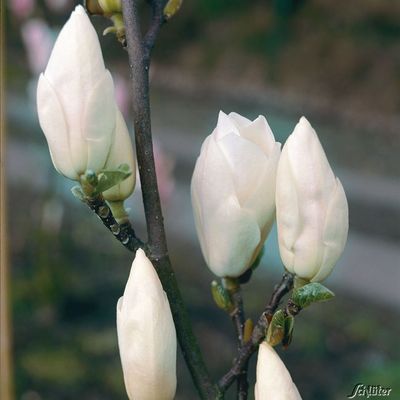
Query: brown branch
point(258, 334)
point(155, 25)
point(238, 318)
point(139, 60)
point(124, 233)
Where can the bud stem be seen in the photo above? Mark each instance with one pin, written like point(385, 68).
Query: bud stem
point(258, 334)
point(118, 211)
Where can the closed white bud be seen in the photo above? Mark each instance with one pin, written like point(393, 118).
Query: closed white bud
point(121, 153)
point(146, 335)
point(75, 101)
point(273, 379)
point(233, 192)
point(311, 206)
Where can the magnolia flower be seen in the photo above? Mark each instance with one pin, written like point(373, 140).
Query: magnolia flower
point(312, 211)
point(76, 104)
point(273, 379)
point(146, 335)
point(233, 192)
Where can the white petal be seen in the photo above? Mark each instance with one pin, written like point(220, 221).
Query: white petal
point(273, 379)
point(335, 232)
point(211, 185)
point(239, 120)
point(287, 210)
point(224, 126)
point(198, 220)
point(233, 235)
point(233, 195)
point(314, 184)
point(311, 207)
point(52, 122)
point(75, 67)
point(247, 163)
point(260, 133)
point(77, 49)
point(212, 178)
point(98, 125)
point(121, 153)
point(262, 199)
point(146, 335)
point(228, 235)
point(310, 167)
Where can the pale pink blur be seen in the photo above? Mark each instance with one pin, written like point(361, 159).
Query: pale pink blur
point(165, 173)
point(22, 8)
point(122, 93)
point(38, 40)
point(59, 5)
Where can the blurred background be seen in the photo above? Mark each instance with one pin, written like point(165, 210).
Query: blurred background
point(339, 65)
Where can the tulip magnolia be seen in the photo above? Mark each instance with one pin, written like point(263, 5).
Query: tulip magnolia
point(273, 379)
point(233, 192)
point(146, 335)
point(76, 104)
point(311, 206)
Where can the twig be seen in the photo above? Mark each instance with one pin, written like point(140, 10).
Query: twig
point(155, 25)
point(123, 233)
point(238, 318)
point(258, 334)
point(139, 60)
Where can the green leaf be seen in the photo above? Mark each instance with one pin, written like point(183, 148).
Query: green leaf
point(78, 193)
point(221, 296)
point(109, 178)
point(276, 328)
point(311, 293)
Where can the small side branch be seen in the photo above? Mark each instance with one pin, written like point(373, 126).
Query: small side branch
point(157, 21)
point(237, 314)
point(124, 233)
point(238, 318)
point(258, 334)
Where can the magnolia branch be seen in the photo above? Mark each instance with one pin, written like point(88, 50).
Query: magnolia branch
point(258, 334)
point(124, 233)
point(139, 60)
point(238, 318)
point(155, 25)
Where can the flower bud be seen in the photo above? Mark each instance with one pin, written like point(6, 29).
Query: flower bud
point(75, 100)
point(273, 379)
point(233, 192)
point(312, 211)
point(121, 153)
point(146, 335)
point(103, 7)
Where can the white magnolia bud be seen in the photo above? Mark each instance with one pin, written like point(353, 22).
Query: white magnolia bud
point(233, 192)
point(121, 153)
point(75, 100)
point(146, 335)
point(273, 379)
point(312, 211)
